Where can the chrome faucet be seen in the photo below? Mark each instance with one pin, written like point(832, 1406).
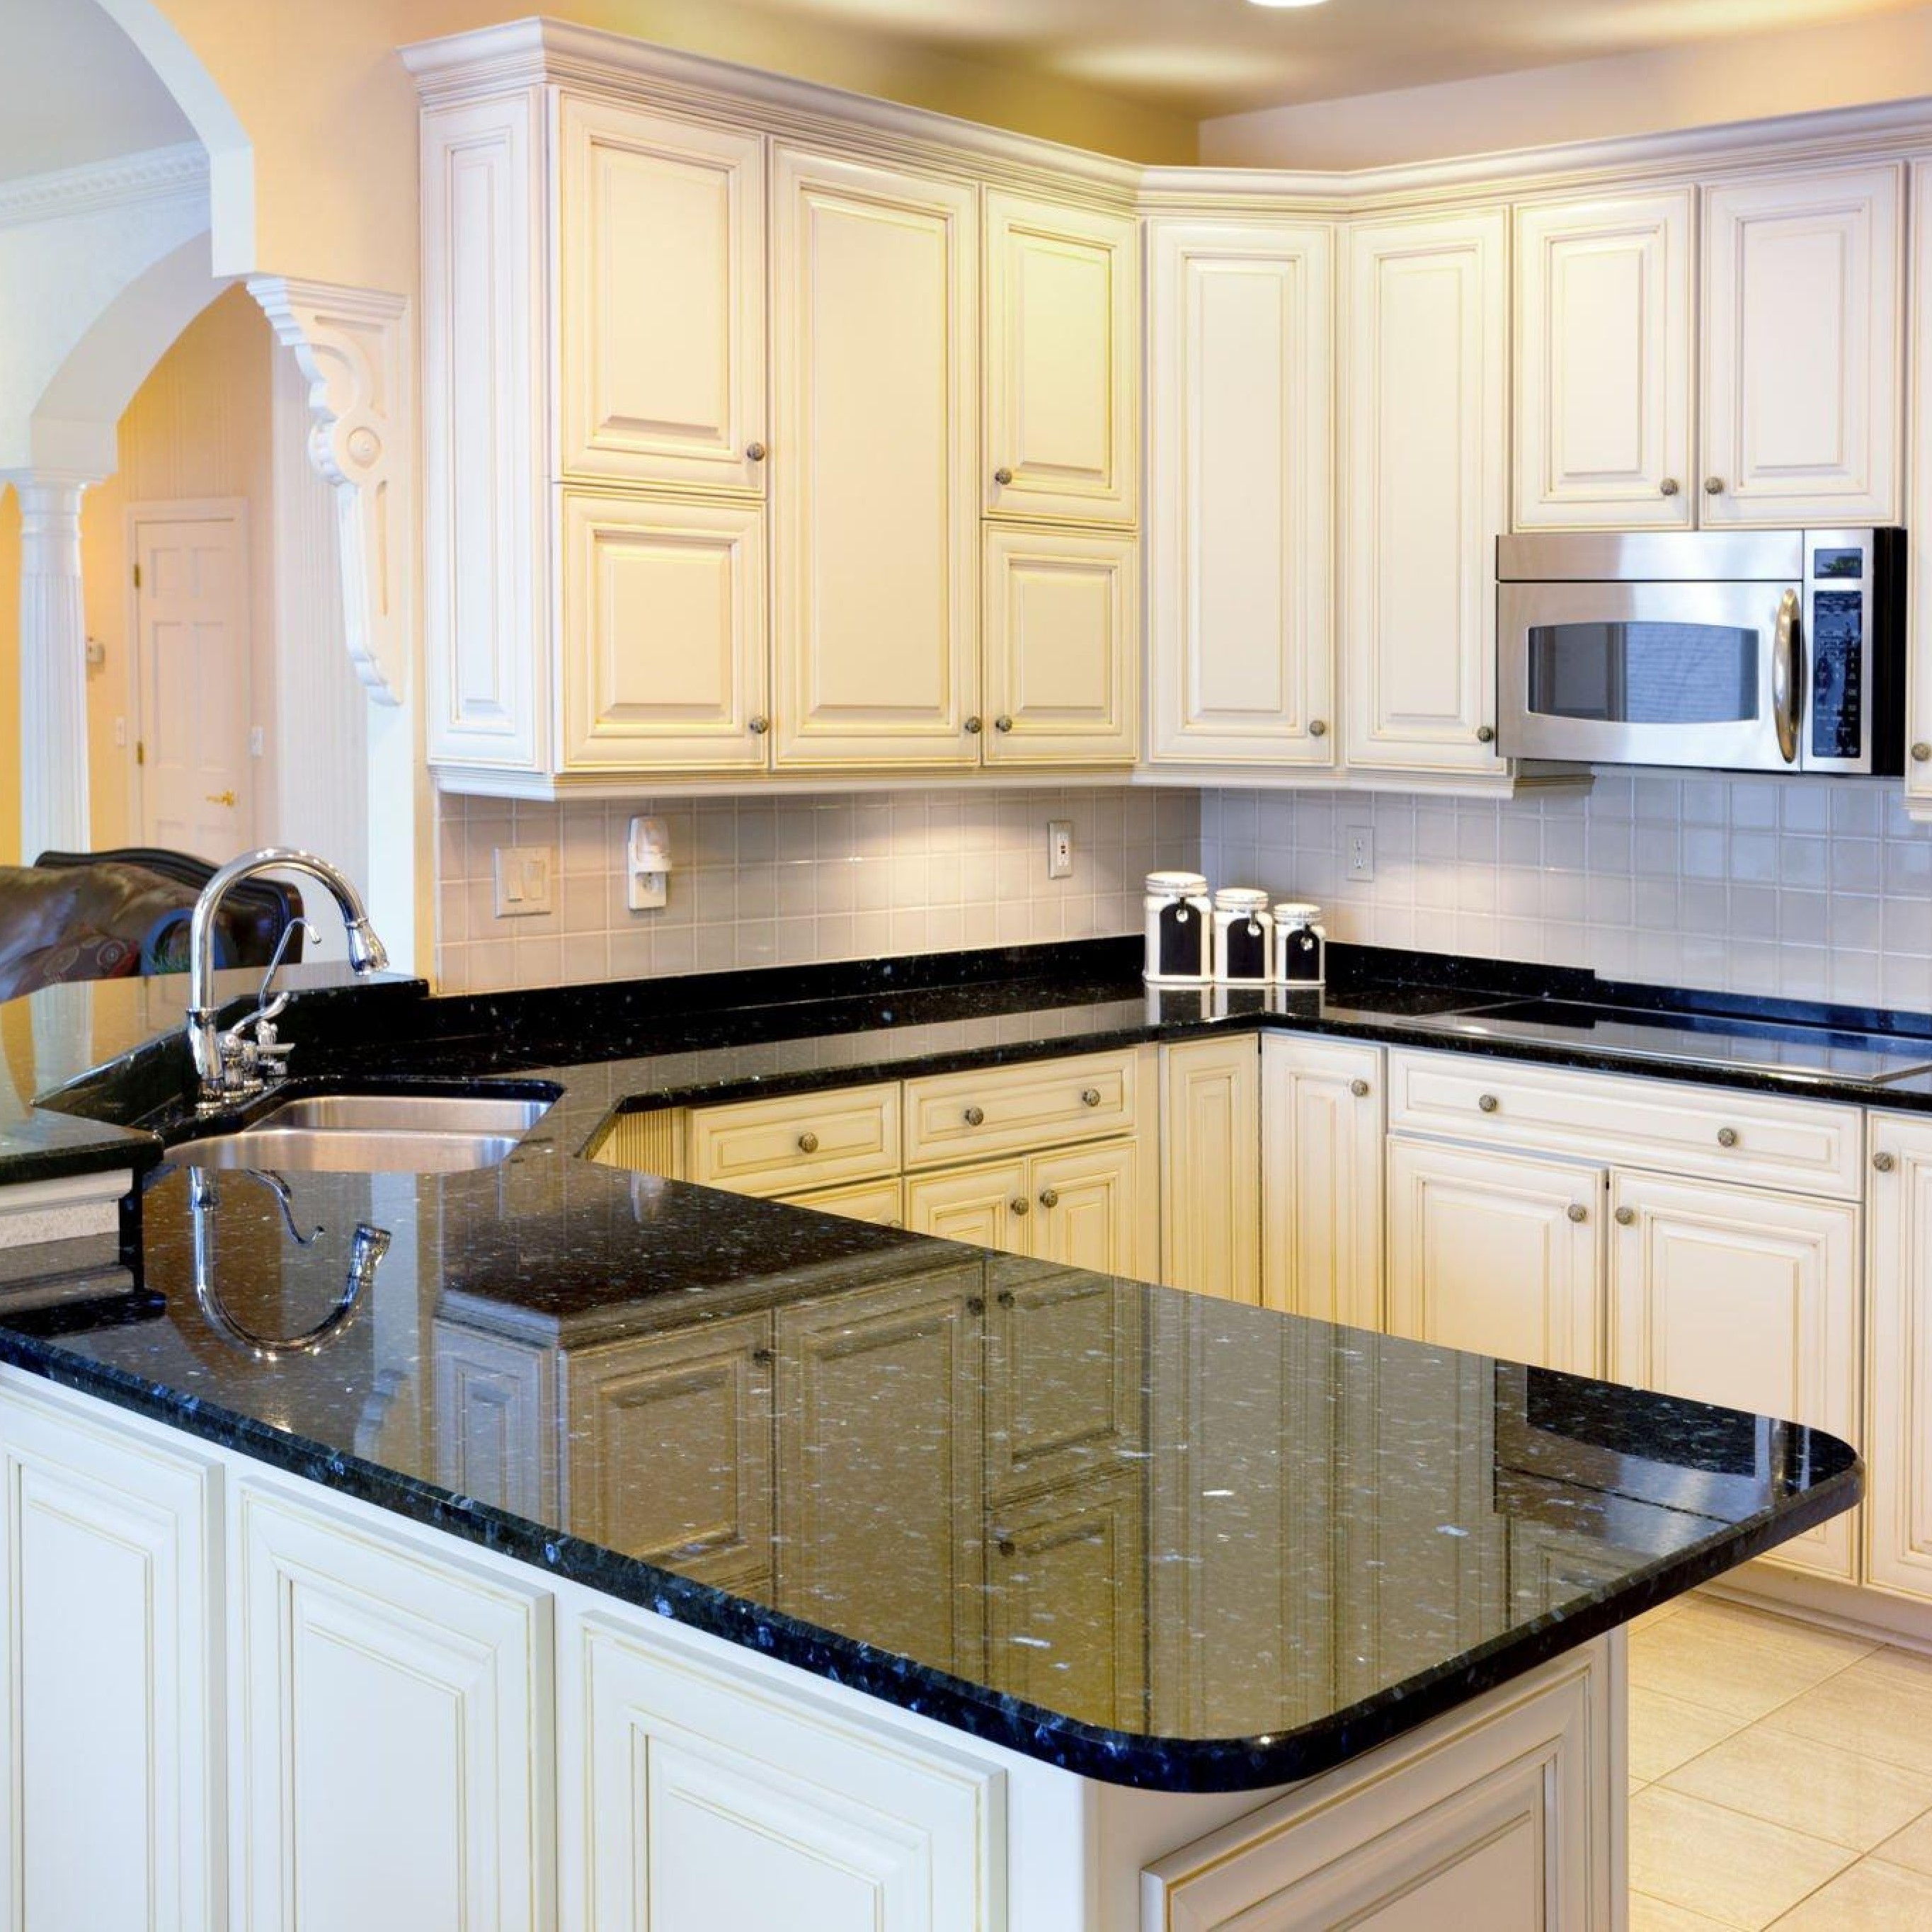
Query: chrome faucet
point(229, 1066)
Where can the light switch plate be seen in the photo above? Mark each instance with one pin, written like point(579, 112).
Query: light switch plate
point(524, 875)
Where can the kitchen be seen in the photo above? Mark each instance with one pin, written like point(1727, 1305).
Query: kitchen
point(695, 1448)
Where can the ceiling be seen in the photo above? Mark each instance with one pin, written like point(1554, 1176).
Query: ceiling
point(73, 89)
point(1205, 58)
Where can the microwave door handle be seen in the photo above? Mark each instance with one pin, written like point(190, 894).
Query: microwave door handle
point(1787, 679)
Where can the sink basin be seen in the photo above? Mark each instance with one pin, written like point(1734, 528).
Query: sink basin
point(373, 1133)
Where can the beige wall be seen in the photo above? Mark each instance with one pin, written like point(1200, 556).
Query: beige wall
point(9, 678)
point(1750, 78)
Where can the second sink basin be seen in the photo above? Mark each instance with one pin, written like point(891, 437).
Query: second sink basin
point(373, 1133)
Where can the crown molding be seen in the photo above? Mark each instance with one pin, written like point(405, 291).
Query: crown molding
point(154, 175)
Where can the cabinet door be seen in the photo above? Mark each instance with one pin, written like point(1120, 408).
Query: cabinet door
point(660, 298)
point(1092, 1208)
point(1801, 335)
point(876, 562)
point(1496, 1253)
point(880, 1464)
point(1748, 1300)
point(663, 635)
point(1427, 430)
point(1322, 1180)
point(1063, 362)
point(1603, 363)
point(1210, 1205)
point(496, 1418)
point(1919, 517)
point(109, 1791)
point(1061, 647)
point(987, 1206)
point(417, 1694)
point(1241, 475)
point(1898, 1472)
point(882, 1203)
point(669, 1449)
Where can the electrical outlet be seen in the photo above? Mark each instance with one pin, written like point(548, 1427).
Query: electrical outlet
point(1359, 842)
point(1059, 848)
point(524, 874)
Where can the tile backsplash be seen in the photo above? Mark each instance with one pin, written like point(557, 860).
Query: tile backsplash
point(1809, 888)
point(779, 881)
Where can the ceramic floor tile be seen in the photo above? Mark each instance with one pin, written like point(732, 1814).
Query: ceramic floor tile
point(1666, 1732)
point(1872, 1708)
point(1659, 1914)
point(1813, 1787)
point(1911, 1847)
point(1650, 1619)
point(1739, 1871)
point(1871, 1897)
point(1741, 1661)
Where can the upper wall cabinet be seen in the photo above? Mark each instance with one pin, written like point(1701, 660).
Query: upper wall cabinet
point(1063, 356)
point(1603, 363)
point(1801, 340)
point(1240, 379)
point(1427, 415)
point(876, 550)
point(661, 303)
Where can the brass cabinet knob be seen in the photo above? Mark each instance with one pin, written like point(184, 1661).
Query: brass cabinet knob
point(1090, 1096)
point(1360, 1088)
point(1625, 1215)
point(1714, 486)
point(1577, 1211)
point(1049, 1197)
point(1317, 727)
point(807, 1142)
point(1885, 1162)
point(973, 726)
point(976, 1117)
point(1020, 1205)
point(1485, 734)
point(760, 724)
point(1002, 723)
point(1727, 1137)
point(1003, 476)
point(1920, 752)
point(1668, 488)
point(1488, 1102)
point(755, 452)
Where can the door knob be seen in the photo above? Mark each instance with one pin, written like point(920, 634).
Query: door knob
point(1020, 1205)
point(1488, 1102)
point(760, 725)
point(1317, 727)
point(1090, 1096)
point(975, 1116)
point(1727, 1137)
point(1002, 724)
point(1885, 1162)
point(1920, 752)
point(1577, 1211)
point(1485, 734)
point(1360, 1088)
point(974, 727)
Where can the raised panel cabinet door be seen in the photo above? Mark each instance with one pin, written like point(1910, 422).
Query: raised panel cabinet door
point(1918, 513)
point(110, 1797)
point(660, 298)
point(1094, 1207)
point(1604, 364)
point(989, 1206)
point(1748, 1300)
point(484, 491)
point(663, 658)
point(1426, 420)
point(1240, 469)
point(668, 1448)
point(881, 1469)
point(713, 1807)
point(1801, 338)
point(1061, 647)
point(1898, 1471)
point(1498, 1254)
point(876, 544)
point(1211, 1206)
point(1063, 362)
point(1322, 1109)
point(416, 1694)
point(496, 1418)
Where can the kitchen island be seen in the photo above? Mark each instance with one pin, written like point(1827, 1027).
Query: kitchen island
point(552, 1544)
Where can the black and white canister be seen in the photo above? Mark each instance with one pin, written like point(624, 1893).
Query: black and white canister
point(1300, 946)
point(1179, 930)
point(1243, 936)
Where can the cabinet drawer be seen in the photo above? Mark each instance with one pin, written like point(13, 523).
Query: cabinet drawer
point(801, 1141)
point(880, 1202)
point(1808, 1146)
point(955, 1117)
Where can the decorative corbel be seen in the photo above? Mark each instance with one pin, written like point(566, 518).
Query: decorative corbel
point(351, 345)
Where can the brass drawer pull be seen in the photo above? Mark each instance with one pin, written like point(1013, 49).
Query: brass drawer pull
point(976, 1117)
point(1727, 1137)
point(1007, 1547)
point(1360, 1088)
point(1668, 488)
point(1003, 476)
point(1920, 752)
point(1049, 1197)
point(807, 1142)
point(1885, 1162)
point(1091, 1097)
point(1006, 1297)
point(761, 1355)
point(1485, 734)
point(1488, 1102)
point(1021, 1206)
point(1577, 1211)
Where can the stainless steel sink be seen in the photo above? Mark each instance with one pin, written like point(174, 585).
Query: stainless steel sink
point(373, 1133)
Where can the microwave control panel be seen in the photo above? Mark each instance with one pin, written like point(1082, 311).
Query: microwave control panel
point(1853, 579)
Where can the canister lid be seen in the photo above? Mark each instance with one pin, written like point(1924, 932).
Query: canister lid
point(1180, 885)
point(1241, 899)
point(1295, 913)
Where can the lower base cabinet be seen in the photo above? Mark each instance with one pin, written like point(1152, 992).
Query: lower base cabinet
point(1898, 1496)
point(1210, 1121)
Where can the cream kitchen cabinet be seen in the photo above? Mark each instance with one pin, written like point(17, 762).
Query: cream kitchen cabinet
point(1210, 1167)
point(1501, 1255)
point(1604, 362)
point(1241, 665)
point(1749, 1300)
point(876, 534)
point(1063, 362)
point(1919, 518)
point(1426, 428)
point(1898, 1278)
point(1802, 386)
point(1321, 1179)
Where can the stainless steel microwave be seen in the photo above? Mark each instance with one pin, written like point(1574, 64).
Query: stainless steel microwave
point(1733, 650)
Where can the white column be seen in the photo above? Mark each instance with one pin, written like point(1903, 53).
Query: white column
point(53, 666)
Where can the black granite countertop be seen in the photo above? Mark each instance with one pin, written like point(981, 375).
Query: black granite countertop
point(1156, 1538)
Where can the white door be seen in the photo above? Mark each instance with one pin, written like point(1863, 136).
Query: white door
point(1801, 385)
point(876, 546)
point(1747, 1299)
point(1603, 363)
point(1497, 1253)
point(191, 650)
point(1240, 469)
point(1898, 1472)
point(1063, 362)
point(1426, 422)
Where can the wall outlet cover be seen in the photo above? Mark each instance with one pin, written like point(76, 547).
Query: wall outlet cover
point(1358, 847)
point(1059, 848)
